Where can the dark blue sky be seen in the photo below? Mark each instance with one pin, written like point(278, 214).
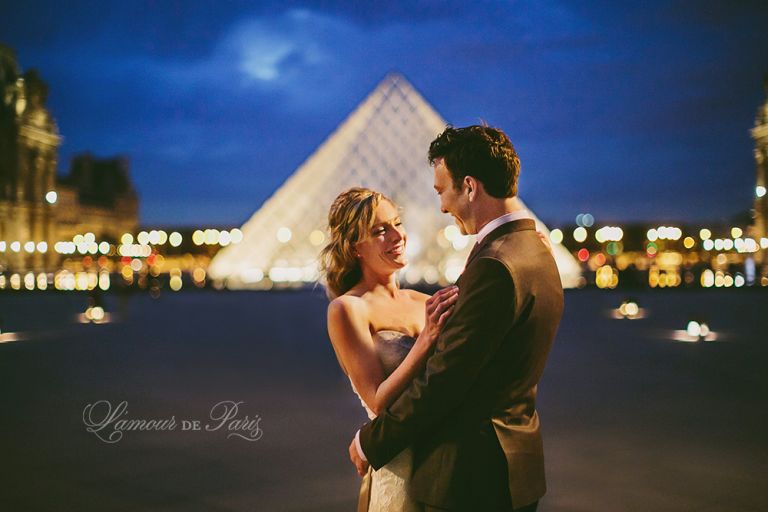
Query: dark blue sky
point(628, 110)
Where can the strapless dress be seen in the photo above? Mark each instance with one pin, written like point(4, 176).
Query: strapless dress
point(385, 490)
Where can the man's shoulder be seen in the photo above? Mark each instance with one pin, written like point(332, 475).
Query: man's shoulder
point(516, 246)
point(486, 265)
point(523, 254)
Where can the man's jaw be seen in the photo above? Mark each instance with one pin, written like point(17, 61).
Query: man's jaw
point(460, 224)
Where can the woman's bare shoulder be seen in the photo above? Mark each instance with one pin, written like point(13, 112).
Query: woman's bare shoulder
point(350, 307)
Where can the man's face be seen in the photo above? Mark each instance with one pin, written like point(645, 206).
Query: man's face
point(452, 201)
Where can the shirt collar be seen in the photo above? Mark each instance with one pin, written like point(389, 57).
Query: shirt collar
point(498, 221)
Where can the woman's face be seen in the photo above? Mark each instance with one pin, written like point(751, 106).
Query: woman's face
point(383, 250)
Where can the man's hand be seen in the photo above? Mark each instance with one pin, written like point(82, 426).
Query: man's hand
point(360, 464)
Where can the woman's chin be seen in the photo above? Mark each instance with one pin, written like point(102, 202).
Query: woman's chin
point(401, 262)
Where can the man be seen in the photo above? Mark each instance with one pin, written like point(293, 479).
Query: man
point(471, 416)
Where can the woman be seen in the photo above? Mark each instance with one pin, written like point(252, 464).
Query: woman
point(381, 334)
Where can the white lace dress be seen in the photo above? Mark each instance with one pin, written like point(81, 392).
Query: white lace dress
point(385, 490)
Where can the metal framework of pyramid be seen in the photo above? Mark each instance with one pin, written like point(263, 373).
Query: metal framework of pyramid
point(382, 145)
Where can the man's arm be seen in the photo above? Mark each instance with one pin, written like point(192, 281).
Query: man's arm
point(470, 338)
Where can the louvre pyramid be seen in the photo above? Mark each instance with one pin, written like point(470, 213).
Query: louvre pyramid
point(382, 145)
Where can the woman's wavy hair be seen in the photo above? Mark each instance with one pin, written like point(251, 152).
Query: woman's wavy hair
point(350, 219)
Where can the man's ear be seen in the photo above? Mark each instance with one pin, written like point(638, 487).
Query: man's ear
point(470, 185)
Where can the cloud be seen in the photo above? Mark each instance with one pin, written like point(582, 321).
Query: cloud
point(268, 49)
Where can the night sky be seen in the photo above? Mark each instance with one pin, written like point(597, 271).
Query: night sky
point(627, 110)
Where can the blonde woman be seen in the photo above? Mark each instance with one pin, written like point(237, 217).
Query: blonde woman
point(381, 333)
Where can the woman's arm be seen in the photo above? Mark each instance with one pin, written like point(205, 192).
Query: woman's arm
point(399, 379)
point(352, 342)
point(351, 338)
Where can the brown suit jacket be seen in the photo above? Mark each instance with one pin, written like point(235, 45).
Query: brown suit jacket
point(475, 403)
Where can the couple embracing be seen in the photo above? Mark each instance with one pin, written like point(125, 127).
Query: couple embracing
point(448, 381)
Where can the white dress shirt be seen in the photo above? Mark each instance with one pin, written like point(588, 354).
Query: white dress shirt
point(498, 221)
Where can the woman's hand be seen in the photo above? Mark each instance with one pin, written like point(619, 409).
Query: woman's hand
point(437, 310)
point(545, 239)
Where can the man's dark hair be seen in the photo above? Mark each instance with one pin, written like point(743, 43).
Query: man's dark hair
point(482, 152)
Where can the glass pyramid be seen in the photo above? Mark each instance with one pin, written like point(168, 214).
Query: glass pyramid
point(382, 145)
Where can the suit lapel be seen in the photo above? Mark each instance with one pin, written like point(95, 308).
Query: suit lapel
point(472, 253)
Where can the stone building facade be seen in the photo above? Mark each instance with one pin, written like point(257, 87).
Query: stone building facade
point(37, 207)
